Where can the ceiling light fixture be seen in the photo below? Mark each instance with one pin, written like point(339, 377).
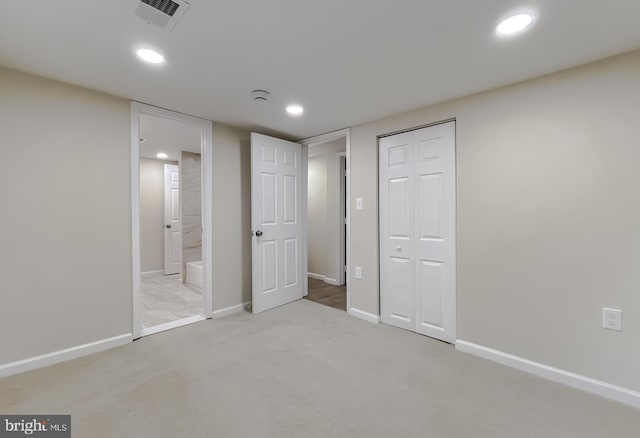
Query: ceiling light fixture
point(295, 110)
point(162, 155)
point(514, 24)
point(150, 56)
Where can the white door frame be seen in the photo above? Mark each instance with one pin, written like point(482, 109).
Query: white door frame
point(206, 127)
point(324, 138)
point(341, 172)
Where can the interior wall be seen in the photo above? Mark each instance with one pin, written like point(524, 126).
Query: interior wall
point(152, 214)
point(66, 215)
point(317, 215)
point(191, 209)
point(323, 206)
point(547, 216)
point(231, 216)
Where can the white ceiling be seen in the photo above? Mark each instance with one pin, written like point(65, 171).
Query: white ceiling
point(168, 136)
point(347, 62)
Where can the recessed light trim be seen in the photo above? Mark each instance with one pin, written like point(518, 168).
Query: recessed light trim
point(514, 24)
point(295, 110)
point(162, 155)
point(150, 56)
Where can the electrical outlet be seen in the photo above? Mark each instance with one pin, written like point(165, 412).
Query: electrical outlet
point(612, 319)
point(358, 272)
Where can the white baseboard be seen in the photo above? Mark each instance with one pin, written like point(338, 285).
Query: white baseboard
point(194, 287)
point(55, 357)
point(150, 274)
point(230, 310)
point(593, 386)
point(370, 317)
point(146, 331)
point(332, 281)
point(324, 278)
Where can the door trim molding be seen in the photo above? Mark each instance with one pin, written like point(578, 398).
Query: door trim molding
point(584, 383)
point(415, 128)
point(146, 331)
point(206, 127)
point(342, 215)
point(306, 143)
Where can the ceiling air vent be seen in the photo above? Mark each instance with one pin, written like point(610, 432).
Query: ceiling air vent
point(161, 13)
point(165, 6)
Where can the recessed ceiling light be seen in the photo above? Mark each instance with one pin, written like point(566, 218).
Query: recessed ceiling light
point(150, 56)
point(514, 24)
point(162, 155)
point(295, 110)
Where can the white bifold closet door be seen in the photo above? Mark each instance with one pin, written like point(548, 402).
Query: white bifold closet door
point(417, 231)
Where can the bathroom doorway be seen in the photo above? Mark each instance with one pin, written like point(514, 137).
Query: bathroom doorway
point(171, 211)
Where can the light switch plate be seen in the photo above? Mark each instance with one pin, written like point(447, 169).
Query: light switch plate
point(358, 203)
point(359, 272)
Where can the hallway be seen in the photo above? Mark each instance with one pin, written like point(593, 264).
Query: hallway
point(327, 294)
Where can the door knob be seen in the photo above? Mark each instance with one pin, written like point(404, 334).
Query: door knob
point(398, 248)
point(168, 226)
point(258, 233)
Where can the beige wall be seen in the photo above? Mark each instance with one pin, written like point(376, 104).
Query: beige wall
point(548, 216)
point(152, 214)
point(231, 216)
point(65, 262)
point(317, 215)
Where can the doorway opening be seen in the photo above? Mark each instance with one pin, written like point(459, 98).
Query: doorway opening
point(327, 219)
point(171, 211)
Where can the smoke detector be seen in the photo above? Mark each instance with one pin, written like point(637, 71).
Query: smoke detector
point(260, 96)
point(162, 13)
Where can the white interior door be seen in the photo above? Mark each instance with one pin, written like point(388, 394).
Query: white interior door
point(278, 273)
point(417, 231)
point(172, 225)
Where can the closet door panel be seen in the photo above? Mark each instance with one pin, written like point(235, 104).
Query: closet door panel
point(397, 217)
point(434, 169)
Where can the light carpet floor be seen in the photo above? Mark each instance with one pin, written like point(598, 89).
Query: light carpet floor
point(305, 370)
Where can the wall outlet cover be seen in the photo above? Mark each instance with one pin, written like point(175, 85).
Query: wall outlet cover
point(612, 319)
